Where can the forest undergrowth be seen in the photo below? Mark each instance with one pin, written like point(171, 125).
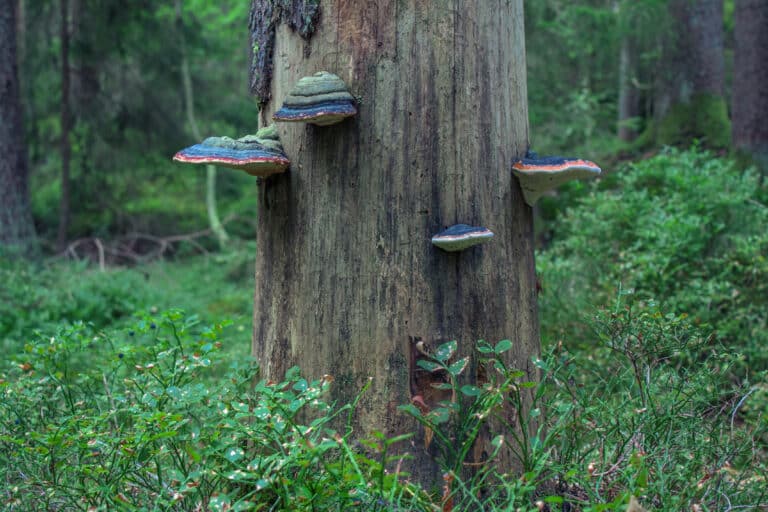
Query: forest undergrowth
point(653, 386)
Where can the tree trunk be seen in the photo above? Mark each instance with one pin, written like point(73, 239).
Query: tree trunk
point(629, 99)
point(689, 100)
point(750, 80)
point(66, 125)
point(17, 232)
point(21, 40)
point(629, 105)
point(346, 276)
point(699, 47)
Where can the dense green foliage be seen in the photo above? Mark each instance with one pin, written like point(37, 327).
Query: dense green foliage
point(135, 426)
point(45, 297)
point(652, 383)
point(156, 415)
point(684, 229)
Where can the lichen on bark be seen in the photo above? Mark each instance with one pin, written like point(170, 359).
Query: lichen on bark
point(300, 15)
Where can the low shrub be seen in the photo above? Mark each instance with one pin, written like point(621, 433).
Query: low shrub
point(93, 421)
point(683, 228)
point(131, 420)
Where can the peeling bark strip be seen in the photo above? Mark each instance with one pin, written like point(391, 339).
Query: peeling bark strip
point(300, 15)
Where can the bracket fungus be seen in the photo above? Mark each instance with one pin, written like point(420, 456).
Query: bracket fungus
point(461, 236)
point(322, 99)
point(537, 174)
point(258, 155)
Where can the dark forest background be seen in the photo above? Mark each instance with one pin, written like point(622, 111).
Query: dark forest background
point(105, 102)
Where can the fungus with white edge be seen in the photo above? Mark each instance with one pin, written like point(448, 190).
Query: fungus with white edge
point(537, 174)
point(461, 236)
point(258, 155)
point(322, 99)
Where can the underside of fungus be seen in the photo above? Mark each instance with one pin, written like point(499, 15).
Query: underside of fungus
point(461, 236)
point(538, 175)
point(258, 155)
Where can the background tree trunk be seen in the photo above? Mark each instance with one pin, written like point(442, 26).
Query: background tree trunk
point(66, 126)
point(689, 100)
point(750, 80)
point(698, 47)
point(629, 99)
point(346, 276)
point(17, 232)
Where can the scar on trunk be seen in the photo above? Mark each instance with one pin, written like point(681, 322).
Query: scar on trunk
point(425, 393)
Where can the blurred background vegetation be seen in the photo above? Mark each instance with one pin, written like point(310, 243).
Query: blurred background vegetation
point(597, 82)
point(128, 117)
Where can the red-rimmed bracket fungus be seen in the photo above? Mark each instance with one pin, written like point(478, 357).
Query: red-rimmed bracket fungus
point(322, 99)
point(537, 174)
point(258, 155)
point(461, 236)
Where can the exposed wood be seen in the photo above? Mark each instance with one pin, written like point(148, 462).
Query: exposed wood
point(346, 276)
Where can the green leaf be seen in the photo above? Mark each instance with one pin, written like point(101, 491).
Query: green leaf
point(195, 455)
point(445, 351)
point(238, 475)
point(502, 346)
point(456, 368)
point(430, 366)
point(468, 390)
point(234, 453)
point(220, 503)
point(439, 415)
point(410, 409)
point(240, 406)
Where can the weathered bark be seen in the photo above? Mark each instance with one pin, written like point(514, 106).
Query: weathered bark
point(750, 80)
point(346, 276)
point(17, 232)
point(66, 127)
